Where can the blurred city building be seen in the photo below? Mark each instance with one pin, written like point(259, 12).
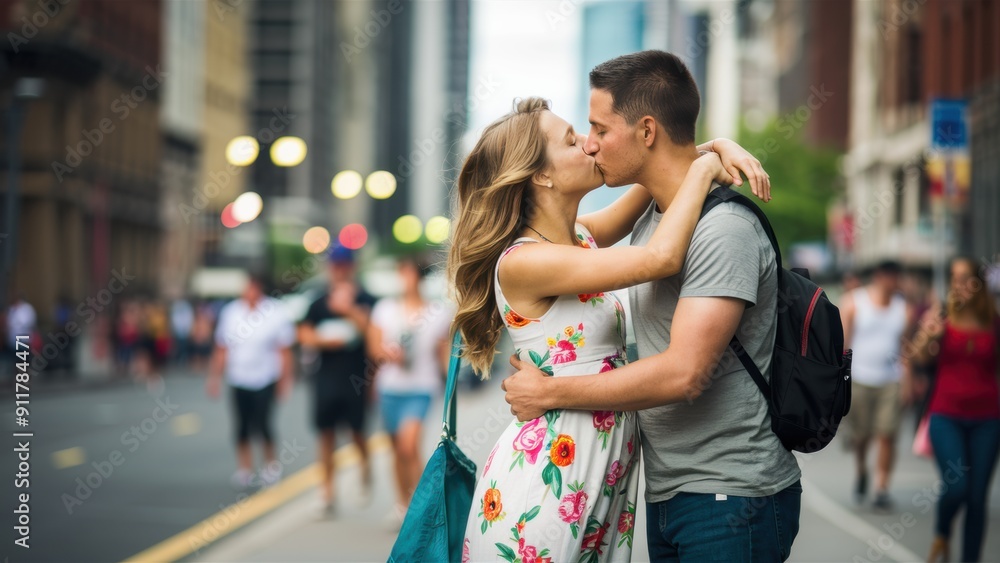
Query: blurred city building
point(905, 55)
point(791, 64)
point(88, 203)
point(205, 106)
point(295, 64)
point(344, 73)
point(181, 117)
point(611, 28)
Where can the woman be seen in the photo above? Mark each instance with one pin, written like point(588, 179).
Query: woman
point(563, 486)
point(408, 340)
point(964, 408)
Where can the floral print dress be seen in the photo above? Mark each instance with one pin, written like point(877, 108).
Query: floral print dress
point(561, 487)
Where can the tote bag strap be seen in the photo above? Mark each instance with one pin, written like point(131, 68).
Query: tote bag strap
point(448, 418)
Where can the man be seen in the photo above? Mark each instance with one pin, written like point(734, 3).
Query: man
point(335, 325)
point(719, 484)
point(253, 351)
point(875, 319)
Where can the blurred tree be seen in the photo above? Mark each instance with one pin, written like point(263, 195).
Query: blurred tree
point(803, 181)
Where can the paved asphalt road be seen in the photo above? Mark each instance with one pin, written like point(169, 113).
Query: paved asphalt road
point(115, 470)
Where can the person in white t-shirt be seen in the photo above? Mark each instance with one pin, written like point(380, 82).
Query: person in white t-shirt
point(21, 321)
point(875, 318)
point(253, 352)
point(408, 338)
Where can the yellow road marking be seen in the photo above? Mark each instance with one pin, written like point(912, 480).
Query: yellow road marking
point(70, 457)
point(240, 514)
point(185, 424)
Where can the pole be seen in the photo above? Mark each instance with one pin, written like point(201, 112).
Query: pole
point(15, 119)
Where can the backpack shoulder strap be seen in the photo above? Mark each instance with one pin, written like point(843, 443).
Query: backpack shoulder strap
point(714, 199)
point(752, 369)
point(724, 194)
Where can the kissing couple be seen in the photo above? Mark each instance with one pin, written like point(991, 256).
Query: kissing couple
point(561, 482)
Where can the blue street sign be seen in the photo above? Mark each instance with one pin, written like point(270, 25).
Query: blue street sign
point(949, 125)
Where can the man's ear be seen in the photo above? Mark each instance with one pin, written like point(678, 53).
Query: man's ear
point(647, 130)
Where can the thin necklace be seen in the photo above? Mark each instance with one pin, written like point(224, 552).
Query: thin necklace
point(539, 234)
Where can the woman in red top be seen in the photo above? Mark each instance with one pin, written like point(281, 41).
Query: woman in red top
point(965, 405)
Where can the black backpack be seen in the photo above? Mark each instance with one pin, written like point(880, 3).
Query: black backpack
point(810, 389)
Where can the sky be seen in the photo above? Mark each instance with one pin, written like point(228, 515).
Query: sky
point(529, 48)
point(524, 48)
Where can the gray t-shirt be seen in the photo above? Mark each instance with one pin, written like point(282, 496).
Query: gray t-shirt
point(721, 442)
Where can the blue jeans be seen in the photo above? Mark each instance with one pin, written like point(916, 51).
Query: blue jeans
point(966, 453)
point(697, 527)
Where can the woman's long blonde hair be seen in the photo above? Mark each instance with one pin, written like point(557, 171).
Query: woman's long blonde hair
point(494, 201)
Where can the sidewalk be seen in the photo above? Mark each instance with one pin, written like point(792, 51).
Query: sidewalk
point(294, 532)
point(832, 528)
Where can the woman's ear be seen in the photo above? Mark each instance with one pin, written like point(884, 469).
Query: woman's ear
point(541, 179)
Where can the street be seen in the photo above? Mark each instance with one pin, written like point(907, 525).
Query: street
point(115, 470)
point(165, 494)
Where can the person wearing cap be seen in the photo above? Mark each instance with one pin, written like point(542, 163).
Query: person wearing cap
point(875, 318)
point(335, 325)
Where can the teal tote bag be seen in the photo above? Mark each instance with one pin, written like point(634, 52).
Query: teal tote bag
point(434, 527)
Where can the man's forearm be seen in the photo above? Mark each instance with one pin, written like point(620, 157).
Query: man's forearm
point(218, 364)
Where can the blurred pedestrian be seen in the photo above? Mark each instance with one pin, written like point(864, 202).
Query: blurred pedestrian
point(875, 317)
point(916, 289)
point(253, 352)
point(155, 345)
point(181, 324)
point(21, 320)
point(408, 340)
point(851, 281)
point(201, 336)
point(127, 337)
point(964, 409)
point(65, 360)
point(335, 325)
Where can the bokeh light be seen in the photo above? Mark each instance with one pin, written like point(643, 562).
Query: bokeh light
point(380, 184)
point(247, 207)
point(346, 184)
point(288, 151)
point(228, 220)
point(316, 240)
point(407, 229)
point(242, 151)
point(437, 230)
point(353, 236)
